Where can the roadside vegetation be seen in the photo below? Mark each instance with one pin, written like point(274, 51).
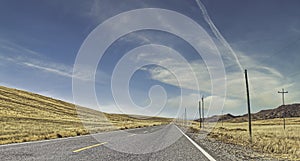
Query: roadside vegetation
point(26, 116)
point(269, 137)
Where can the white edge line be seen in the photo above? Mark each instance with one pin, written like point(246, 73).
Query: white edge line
point(209, 157)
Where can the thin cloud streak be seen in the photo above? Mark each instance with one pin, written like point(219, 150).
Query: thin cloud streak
point(54, 68)
point(217, 32)
point(263, 81)
point(9, 46)
point(48, 69)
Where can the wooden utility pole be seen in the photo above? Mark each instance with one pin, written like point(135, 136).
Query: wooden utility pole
point(185, 117)
point(248, 103)
point(283, 114)
point(200, 113)
point(182, 119)
point(283, 92)
point(222, 117)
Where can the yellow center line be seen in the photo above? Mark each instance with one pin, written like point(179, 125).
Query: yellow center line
point(88, 147)
point(131, 135)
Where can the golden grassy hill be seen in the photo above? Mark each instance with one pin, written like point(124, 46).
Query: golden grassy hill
point(26, 116)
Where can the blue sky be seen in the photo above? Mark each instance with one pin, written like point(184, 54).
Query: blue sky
point(39, 42)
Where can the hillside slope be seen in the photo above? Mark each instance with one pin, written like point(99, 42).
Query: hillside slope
point(216, 118)
point(292, 110)
point(26, 116)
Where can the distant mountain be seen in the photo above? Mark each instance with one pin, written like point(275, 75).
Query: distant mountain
point(227, 117)
point(292, 110)
point(216, 118)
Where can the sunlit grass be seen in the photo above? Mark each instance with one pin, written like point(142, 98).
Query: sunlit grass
point(26, 116)
point(269, 136)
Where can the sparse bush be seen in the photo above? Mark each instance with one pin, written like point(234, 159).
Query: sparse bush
point(59, 135)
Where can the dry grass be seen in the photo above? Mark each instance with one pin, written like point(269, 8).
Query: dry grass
point(26, 116)
point(269, 137)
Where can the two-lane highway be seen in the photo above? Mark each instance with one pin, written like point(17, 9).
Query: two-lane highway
point(152, 143)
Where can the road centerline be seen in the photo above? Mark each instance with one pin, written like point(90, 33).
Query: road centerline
point(88, 147)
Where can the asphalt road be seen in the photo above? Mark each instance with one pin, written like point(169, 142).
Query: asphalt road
point(152, 143)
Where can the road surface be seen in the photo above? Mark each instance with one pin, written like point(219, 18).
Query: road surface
point(152, 143)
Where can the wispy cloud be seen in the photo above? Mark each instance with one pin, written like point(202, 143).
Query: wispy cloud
point(49, 69)
point(46, 66)
point(66, 71)
point(20, 55)
point(198, 67)
point(263, 78)
point(136, 37)
point(217, 32)
point(9, 46)
point(264, 81)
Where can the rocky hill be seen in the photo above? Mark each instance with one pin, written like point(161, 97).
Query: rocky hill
point(216, 118)
point(292, 110)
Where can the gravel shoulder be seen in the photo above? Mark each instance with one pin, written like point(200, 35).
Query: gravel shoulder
point(224, 151)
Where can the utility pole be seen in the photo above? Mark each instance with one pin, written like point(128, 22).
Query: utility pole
point(248, 103)
point(283, 92)
point(222, 117)
point(185, 118)
point(202, 111)
point(283, 114)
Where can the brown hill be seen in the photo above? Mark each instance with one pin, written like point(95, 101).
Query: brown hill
point(216, 118)
point(292, 110)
